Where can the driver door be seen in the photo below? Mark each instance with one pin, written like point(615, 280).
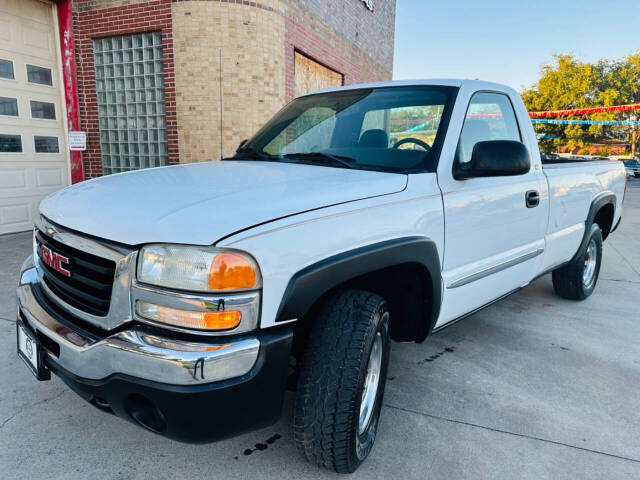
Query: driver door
point(493, 239)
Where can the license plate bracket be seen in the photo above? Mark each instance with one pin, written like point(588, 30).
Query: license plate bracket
point(31, 352)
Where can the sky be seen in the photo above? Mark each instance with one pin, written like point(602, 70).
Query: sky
point(507, 41)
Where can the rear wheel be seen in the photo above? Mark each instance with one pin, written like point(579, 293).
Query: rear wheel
point(342, 379)
point(577, 280)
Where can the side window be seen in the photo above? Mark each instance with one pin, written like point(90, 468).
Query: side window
point(490, 116)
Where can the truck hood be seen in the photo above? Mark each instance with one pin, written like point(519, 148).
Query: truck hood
point(202, 202)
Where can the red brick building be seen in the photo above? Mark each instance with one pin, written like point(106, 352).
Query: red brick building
point(161, 82)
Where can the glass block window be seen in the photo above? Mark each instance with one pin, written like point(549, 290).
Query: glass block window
point(39, 75)
point(8, 106)
point(6, 69)
point(130, 90)
point(10, 143)
point(46, 144)
point(46, 110)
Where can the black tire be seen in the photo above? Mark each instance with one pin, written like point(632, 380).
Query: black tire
point(569, 281)
point(636, 174)
point(332, 376)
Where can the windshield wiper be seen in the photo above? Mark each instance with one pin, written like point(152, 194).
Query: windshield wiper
point(347, 162)
point(254, 152)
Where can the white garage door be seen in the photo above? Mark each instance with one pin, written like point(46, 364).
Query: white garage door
point(33, 149)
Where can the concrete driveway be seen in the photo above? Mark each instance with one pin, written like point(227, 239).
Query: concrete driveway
point(532, 387)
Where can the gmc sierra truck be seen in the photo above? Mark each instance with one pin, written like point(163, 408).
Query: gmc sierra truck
point(186, 298)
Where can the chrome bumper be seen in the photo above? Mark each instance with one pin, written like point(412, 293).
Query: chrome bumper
point(135, 352)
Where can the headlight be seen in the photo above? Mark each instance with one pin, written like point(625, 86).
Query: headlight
point(197, 269)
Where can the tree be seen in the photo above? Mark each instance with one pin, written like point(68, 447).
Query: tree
point(621, 85)
point(570, 83)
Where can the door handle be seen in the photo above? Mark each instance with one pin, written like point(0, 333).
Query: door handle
point(532, 198)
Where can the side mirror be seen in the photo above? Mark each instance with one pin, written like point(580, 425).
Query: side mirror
point(242, 144)
point(494, 158)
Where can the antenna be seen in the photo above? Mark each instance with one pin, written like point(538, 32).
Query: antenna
point(220, 86)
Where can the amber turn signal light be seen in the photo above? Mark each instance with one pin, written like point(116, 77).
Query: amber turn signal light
point(223, 320)
point(230, 271)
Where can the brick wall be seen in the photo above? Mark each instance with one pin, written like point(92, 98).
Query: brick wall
point(121, 17)
point(371, 32)
point(323, 44)
point(90, 5)
point(231, 49)
point(257, 42)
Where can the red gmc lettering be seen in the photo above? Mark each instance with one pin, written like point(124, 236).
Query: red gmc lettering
point(55, 260)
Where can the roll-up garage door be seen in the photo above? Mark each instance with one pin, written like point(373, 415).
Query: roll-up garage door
point(33, 148)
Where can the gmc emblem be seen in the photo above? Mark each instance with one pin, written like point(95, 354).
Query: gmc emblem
point(55, 260)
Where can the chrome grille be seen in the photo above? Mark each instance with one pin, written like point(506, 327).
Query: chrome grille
point(123, 256)
point(90, 284)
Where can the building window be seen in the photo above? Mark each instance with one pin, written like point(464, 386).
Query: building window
point(6, 69)
point(131, 110)
point(39, 75)
point(45, 110)
point(46, 144)
point(10, 143)
point(8, 106)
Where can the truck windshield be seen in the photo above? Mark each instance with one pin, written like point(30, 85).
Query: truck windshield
point(393, 129)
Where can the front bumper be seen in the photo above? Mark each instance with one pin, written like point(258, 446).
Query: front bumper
point(196, 413)
point(190, 390)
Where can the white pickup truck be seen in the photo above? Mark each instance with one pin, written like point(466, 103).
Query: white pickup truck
point(183, 298)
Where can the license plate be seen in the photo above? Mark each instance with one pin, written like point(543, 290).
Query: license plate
point(31, 352)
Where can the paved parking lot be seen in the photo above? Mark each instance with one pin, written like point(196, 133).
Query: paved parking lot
point(532, 387)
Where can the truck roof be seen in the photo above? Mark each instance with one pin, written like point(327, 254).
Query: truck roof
point(448, 82)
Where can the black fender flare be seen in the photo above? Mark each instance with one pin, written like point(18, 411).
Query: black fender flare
point(596, 205)
point(309, 284)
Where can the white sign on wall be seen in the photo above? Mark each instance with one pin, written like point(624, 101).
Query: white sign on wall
point(368, 4)
point(78, 141)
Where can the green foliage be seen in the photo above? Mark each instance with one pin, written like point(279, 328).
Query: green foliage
point(570, 83)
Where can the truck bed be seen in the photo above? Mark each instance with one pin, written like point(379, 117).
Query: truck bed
point(573, 186)
point(555, 159)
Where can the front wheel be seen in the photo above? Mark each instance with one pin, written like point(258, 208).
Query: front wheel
point(342, 378)
point(577, 280)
